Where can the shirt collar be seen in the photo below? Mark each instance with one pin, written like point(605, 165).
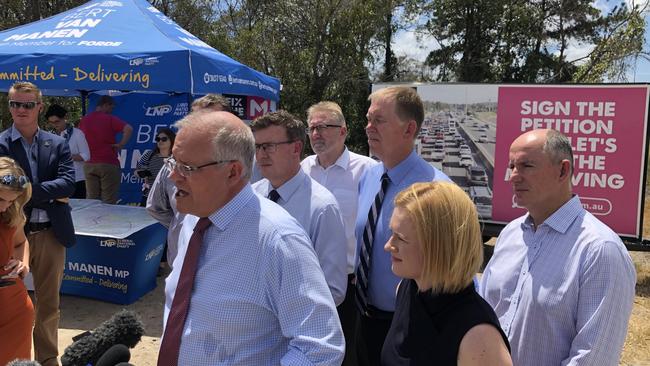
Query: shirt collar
point(291, 186)
point(222, 217)
point(562, 218)
point(399, 171)
point(15, 134)
point(342, 161)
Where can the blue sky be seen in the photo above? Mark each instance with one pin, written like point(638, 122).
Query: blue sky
point(406, 43)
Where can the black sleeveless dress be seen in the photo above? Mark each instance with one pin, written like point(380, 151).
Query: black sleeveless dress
point(427, 329)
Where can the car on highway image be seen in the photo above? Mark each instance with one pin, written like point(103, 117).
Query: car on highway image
point(476, 176)
point(482, 197)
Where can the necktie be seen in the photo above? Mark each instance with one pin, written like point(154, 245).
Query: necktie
point(274, 195)
point(363, 269)
point(170, 347)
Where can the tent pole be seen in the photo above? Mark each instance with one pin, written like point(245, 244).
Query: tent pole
point(84, 97)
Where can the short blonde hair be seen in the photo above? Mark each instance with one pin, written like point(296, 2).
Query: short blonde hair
point(14, 215)
point(448, 230)
point(408, 104)
point(332, 109)
point(26, 87)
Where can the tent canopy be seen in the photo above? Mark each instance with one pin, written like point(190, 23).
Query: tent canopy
point(121, 45)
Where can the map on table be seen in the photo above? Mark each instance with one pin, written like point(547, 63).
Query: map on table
point(94, 218)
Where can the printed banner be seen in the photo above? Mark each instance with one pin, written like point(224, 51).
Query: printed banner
point(468, 129)
point(606, 126)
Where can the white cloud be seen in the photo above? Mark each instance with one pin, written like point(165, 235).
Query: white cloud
point(576, 51)
point(406, 43)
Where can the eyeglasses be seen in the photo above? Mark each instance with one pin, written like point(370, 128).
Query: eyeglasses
point(186, 170)
point(321, 128)
point(270, 147)
point(17, 182)
point(161, 138)
point(27, 105)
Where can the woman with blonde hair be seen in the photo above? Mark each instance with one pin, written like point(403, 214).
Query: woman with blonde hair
point(436, 248)
point(17, 314)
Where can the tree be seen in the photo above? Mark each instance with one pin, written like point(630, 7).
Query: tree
point(620, 43)
point(318, 49)
point(527, 41)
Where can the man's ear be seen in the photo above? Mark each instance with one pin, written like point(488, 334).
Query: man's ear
point(298, 147)
point(411, 127)
point(236, 171)
point(565, 169)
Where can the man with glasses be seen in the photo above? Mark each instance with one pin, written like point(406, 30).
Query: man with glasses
point(394, 117)
point(279, 140)
point(46, 159)
point(339, 170)
point(102, 170)
point(246, 288)
point(161, 201)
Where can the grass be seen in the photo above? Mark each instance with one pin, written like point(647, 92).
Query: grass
point(636, 350)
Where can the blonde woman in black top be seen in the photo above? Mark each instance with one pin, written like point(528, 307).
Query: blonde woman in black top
point(436, 248)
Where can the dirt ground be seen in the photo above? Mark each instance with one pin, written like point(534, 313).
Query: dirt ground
point(80, 314)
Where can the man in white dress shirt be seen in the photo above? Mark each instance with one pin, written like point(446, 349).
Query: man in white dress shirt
point(339, 170)
point(560, 281)
point(279, 140)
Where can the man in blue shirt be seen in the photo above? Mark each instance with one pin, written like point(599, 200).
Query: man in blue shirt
point(246, 287)
point(279, 141)
point(560, 281)
point(394, 120)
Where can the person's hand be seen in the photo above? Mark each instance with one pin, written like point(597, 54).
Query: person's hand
point(17, 269)
point(117, 147)
point(63, 199)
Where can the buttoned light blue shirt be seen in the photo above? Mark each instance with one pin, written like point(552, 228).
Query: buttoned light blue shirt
point(31, 151)
point(259, 296)
point(382, 282)
point(317, 211)
point(564, 292)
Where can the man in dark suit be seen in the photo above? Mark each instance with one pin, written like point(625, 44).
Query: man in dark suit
point(46, 160)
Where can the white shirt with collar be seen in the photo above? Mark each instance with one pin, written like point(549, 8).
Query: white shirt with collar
point(342, 179)
point(317, 211)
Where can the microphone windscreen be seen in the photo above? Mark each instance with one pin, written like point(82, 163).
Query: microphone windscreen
point(116, 354)
point(23, 363)
point(124, 328)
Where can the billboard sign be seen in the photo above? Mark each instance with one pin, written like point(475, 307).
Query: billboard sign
point(468, 130)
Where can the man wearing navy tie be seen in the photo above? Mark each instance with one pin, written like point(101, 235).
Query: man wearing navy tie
point(394, 120)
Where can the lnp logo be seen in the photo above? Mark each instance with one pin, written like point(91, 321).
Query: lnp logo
point(258, 106)
point(109, 243)
point(118, 243)
point(136, 61)
point(159, 110)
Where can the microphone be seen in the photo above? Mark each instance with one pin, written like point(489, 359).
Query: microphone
point(119, 353)
point(123, 328)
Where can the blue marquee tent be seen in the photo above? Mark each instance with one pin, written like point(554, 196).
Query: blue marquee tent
point(122, 45)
